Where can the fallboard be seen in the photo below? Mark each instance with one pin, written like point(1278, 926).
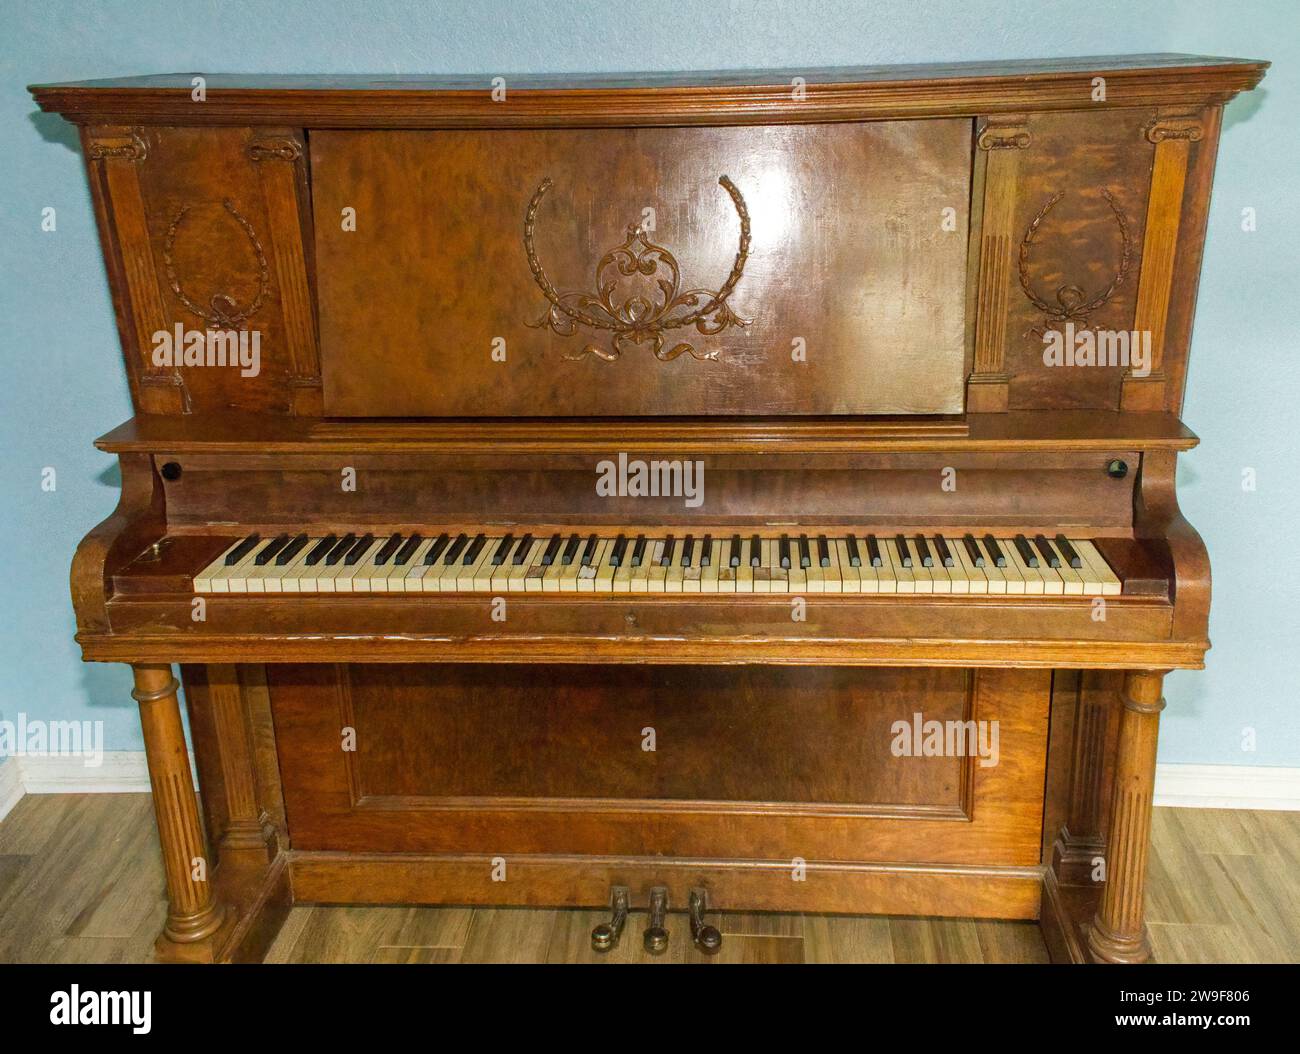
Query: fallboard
point(787, 269)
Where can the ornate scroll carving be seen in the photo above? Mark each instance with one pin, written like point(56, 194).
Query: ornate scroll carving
point(1072, 303)
point(129, 146)
point(1165, 127)
point(1008, 132)
point(639, 312)
point(223, 311)
point(273, 148)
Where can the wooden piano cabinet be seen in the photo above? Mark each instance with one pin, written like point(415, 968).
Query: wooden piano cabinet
point(834, 291)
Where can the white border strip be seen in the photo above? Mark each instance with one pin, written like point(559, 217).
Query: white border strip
point(1228, 787)
point(11, 786)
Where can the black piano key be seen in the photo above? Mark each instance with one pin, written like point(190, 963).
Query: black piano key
point(272, 547)
point(805, 554)
point(589, 550)
point(435, 550)
point(521, 554)
point(923, 551)
point(570, 550)
point(945, 554)
point(666, 557)
point(784, 550)
point(973, 550)
point(638, 550)
point(388, 549)
point(688, 550)
point(734, 558)
point(873, 551)
point(905, 554)
point(503, 550)
point(291, 550)
point(474, 551)
point(755, 551)
point(404, 554)
point(706, 551)
point(1026, 553)
point(1067, 550)
point(616, 554)
point(855, 554)
point(1049, 554)
point(455, 549)
point(319, 550)
point(341, 549)
point(994, 551)
point(358, 550)
point(823, 551)
point(242, 549)
point(553, 547)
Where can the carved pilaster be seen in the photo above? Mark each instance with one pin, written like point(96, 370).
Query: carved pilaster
point(1172, 133)
point(193, 913)
point(1118, 933)
point(1001, 139)
point(247, 828)
point(117, 154)
point(278, 156)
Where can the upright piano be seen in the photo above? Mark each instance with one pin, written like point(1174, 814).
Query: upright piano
point(671, 493)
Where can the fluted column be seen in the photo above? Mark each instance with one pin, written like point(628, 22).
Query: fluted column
point(192, 913)
point(1118, 933)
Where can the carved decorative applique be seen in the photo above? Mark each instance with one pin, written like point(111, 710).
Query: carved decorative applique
point(1073, 304)
point(223, 311)
point(638, 297)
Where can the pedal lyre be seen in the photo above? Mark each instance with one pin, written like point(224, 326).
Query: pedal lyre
point(707, 938)
point(606, 935)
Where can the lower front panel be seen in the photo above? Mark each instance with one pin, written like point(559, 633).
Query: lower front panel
point(821, 788)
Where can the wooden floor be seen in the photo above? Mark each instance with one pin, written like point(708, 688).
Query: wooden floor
point(81, 881)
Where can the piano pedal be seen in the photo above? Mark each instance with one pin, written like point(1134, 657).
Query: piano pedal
point(655, 937)
point(606, 935)
point(707, 938)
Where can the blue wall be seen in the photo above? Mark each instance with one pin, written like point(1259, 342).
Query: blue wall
point(66, 383)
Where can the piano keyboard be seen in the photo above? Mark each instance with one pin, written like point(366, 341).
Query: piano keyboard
point(632, 563)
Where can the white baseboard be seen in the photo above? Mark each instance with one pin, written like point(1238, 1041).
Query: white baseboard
point(120, 772)
point(1228, 787)
point(11, 786)
point(1180, 786)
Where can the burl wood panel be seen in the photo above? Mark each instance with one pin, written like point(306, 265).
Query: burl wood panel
point(955, 811)
point(1075, 250)
point(207, 231)
point(575, 732)
point(848, 254)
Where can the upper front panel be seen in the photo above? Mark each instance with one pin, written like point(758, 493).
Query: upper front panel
point(771, 270)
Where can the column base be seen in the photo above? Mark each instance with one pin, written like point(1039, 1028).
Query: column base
point(1107, 946)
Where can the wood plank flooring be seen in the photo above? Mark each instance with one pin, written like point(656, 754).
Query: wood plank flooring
point(81, 881)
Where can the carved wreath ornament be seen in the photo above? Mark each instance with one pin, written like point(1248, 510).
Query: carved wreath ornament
point(1072, 303)
point(638, 297)
point(222, 310)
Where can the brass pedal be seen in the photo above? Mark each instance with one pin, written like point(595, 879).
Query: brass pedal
point(606, 935)
point(707, 938)
point(655, 937)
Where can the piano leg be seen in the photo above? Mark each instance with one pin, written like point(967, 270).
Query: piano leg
point(194, 916)
point(1118, 933)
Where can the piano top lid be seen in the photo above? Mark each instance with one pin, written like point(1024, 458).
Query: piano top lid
point(664, 98)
